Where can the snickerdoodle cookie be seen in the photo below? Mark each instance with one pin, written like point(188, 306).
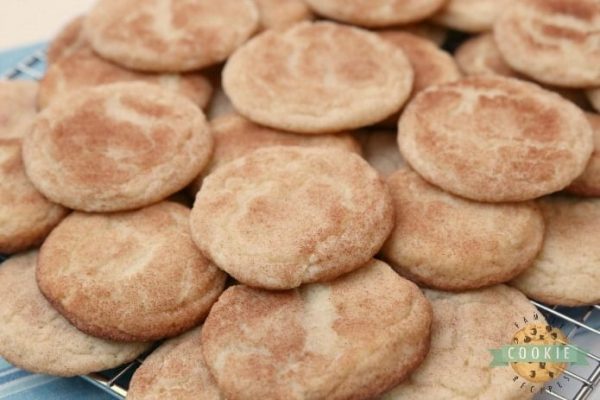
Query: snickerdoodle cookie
point(376, 13)
point(495, 139)
point(175, 370)
point(588, 183)
point(567, 270)
point(175, 35)
point(479, 55)
point(317, 77)
point(132, 276)
point(69, 39)
point(17, 107)
point(287, 215)
point(449, 243)
point(555, 42)
point(82, 69)
point(466, 326)
point(471, 15)
point(431, 65)
point(116, 147)
point(235, 136)
point(35, 337)
point(26, 217)
point(279, 14)
point(352, 338)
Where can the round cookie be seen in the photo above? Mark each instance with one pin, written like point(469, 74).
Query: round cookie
point(479, 55)
point(372, 325)
point(178, 35)
point(83, 69)
point(495, 139)
point(317, 78)
point(430, 64)
point(69, 39)
point(555, 42)
point(593, 96)
point(449, 243)
point(567, 270)
point(17, 107)
point(235, 136)
point(35, 337)
point(588, 183)
point(465, 327)
point(376, 13)
point(26, 217)
point(280, 14)
point(471, 15)
point(175, 370)
point(286, 215)
point(116, 147)
point(380, 149)
point(128, 276)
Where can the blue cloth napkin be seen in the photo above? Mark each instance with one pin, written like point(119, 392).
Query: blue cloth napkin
point(10, 58)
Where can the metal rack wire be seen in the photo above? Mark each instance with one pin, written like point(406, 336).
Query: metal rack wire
point(578, 383)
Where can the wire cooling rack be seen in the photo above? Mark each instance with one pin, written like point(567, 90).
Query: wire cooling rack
point(580, 324)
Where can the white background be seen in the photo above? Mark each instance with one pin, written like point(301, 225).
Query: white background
point(24, 22)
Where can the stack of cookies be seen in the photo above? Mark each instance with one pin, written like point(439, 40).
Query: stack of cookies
point(306, 199)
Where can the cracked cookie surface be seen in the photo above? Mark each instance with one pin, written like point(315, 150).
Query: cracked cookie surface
point(287, 215)
point(495, 139)
point(351, 338)
point(465, 326)
point(567, 270)
point(60, 348)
